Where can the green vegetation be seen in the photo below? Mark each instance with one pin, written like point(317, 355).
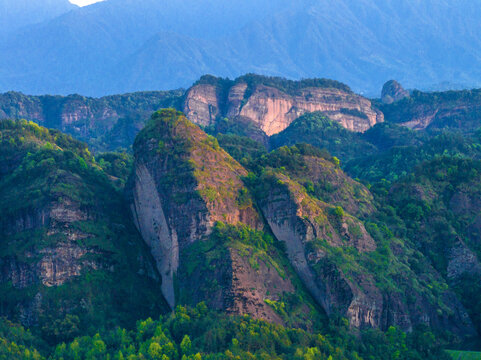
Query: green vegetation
point(198, 333)
point(111, 122)
point(415, 205)
point(451, 109)
point(354, 112)
point(464, 355)
point(59, 207)
point(288, 86)
point(400, 161)
point(316, 129)
point(117, 165)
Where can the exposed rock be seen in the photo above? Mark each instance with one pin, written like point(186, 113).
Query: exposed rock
point(151, 221)
point(461, 260)
point(310, 228)
point(392, 91)
point(232, 284)
point(273, 110)
point(113, 119)
point(437, 110)
point(298, 221)
point(64, 233)
point(184, 184)
point(201, 106)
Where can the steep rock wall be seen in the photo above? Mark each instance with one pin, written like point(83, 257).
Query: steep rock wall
point(184, 184)
point(299, 221)
point(311, 230)
point(273, 110)
point(150, 220)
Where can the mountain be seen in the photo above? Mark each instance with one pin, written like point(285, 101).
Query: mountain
point(369, 252)
point(272, 104)
point(17, 15)
point(70, 256)
point(261, 105)
point(437, 110)
point(106, 123)
point(442, 190)
point(123, 45)
point(192, 202)
point(392, 91)
point(208, 189)
point(319, 130)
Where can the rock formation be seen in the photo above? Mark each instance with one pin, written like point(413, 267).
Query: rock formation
point(65, 233)
point(392, 91)
point(113, 121)
point(437, 110)
point(326, 246)
point(185, 184)
point(272, 110)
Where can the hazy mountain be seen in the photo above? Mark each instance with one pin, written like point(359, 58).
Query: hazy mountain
point(125, 45)
point(19, 13)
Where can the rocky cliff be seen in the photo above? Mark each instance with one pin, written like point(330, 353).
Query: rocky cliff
point(184, 184)
point(309, 205)
point(267, 105)
point(68, 247)
point(437, 110)
point(105, 123)
point(441, 205)
point(272, 106)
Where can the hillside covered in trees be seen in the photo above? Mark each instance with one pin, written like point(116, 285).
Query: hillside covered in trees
point(217, 241)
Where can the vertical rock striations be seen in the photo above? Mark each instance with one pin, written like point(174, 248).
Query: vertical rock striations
point(315, 210)
point(273, 104)
point(184, 184)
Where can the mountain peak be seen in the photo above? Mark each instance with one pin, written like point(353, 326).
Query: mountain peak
point(393, 91)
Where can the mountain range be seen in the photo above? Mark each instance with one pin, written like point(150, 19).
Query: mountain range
point(119, 46)
point(257, 218)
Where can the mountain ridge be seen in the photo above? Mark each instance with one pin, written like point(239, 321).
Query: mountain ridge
point(264, 38)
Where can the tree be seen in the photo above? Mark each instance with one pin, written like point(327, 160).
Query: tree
point(186, 346)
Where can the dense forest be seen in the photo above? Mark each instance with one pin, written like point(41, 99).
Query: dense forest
point(387, 223)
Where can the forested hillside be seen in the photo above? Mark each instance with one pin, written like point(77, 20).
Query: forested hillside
point(214, 240)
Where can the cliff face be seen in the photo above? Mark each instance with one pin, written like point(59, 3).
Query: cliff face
point(184, 184)
point(201, 105)
point(437, 110)
point(64, 250)
point(303, 223)
point(309, 208)
point(273, 110)
point(106, 123)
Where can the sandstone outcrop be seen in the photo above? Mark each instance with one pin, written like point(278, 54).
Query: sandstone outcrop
point(326, 246)
point(112, 120)
point(184, 184)
point(437, 110)
point(303, 223)
point(273, 110)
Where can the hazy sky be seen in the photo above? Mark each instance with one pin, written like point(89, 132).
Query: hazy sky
point(84, 2)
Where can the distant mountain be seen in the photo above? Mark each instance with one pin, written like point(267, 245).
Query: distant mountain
point(17, 14)
point(124, 45)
